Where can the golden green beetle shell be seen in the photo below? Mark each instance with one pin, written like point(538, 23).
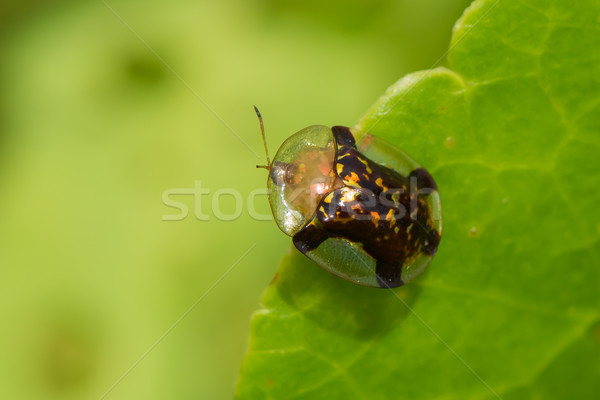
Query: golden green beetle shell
point(356, 205)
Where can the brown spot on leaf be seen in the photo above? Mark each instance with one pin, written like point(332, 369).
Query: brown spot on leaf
point(275, 277)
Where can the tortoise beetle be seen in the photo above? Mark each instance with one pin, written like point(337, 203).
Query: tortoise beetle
point(354, 204)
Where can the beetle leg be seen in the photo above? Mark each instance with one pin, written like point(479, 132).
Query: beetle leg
point(423, 178)
point(388, 274)
point(309, 238)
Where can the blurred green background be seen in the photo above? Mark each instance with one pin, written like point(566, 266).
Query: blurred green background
point(94, 128)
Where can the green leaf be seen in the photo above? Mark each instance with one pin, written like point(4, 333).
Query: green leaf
point(509, 307)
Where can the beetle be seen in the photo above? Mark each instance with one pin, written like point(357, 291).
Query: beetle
point(354, 204)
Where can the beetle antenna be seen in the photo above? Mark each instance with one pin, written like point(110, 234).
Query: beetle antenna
point(262, 131)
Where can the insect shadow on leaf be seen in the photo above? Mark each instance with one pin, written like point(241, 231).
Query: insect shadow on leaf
point(339, 305)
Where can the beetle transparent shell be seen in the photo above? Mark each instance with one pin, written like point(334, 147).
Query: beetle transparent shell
point(300, 176)
point(309, 170)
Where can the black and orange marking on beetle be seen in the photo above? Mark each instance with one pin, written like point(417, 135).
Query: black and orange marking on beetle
point(388, 233)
